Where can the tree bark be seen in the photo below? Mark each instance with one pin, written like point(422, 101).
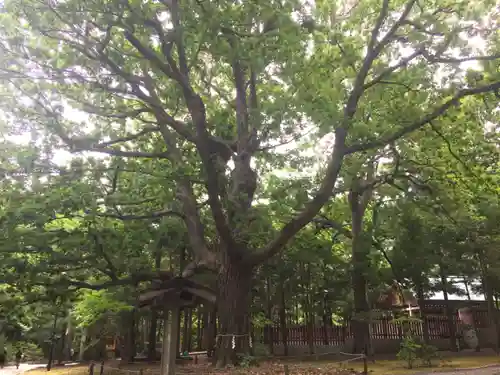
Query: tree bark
point(360, 261)
point(360, 194)
point(234, 287)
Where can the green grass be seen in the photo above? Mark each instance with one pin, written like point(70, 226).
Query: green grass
point(70, 370)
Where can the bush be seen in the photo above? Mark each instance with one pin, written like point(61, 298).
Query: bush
point(412, 349)
point(408, 351)
point(427, 353)
point(261, 350)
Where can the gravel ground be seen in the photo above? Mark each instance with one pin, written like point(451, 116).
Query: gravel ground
point(11, 370)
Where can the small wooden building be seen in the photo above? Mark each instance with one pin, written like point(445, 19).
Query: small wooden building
point(170, 296)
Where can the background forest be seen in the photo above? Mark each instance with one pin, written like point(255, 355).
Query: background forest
point(299, 158)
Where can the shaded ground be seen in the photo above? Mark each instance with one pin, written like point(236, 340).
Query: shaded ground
point(463, 363)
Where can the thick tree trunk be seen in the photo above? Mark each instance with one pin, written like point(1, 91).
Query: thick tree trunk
point(359, 197)
point(234, 286)
point(360, 261)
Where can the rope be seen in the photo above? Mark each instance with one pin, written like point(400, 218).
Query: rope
point(234, 335)
point(357, 355)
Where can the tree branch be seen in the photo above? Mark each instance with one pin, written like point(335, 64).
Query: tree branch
point(454, 101)
point(78, 147)
point(113, 272)
point(152, 215)
point(128, 138)
point(391, 69)
point(458, 60)
point(333, 168)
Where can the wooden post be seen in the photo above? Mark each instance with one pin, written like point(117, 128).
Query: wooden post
point(170, 333)
point(91, 368)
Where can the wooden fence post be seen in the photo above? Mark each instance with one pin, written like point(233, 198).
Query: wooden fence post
point(102, 368)
point(91, 368)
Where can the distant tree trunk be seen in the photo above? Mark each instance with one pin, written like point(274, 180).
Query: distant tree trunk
point(327, 315)
point(448, 310)
point(153, 326)
point(128, 343)
point(52, 343)
point(200, 315)
point(186, 335)
point(62, 346)
point(488, 293)
point(269, 315)
point(467, 292)
point(309, 310)
point(68, 350)
point(423, 314)
point(83, 340)
point(282, 316)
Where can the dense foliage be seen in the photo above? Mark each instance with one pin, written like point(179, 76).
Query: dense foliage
point(352, 143)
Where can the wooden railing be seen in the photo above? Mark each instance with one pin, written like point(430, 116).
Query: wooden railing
point(383, 328)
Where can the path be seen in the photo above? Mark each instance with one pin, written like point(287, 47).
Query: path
point(480, 371)
point(11, 370)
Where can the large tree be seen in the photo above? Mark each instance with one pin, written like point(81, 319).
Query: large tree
point(204, 91)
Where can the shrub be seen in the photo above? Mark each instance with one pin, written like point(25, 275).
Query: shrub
point(427, 353)
point(412, 349)
point(408, 351)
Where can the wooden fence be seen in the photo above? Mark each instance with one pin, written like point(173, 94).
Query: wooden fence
point(383, 329)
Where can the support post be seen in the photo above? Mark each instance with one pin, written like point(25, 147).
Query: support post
point(170, 333)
